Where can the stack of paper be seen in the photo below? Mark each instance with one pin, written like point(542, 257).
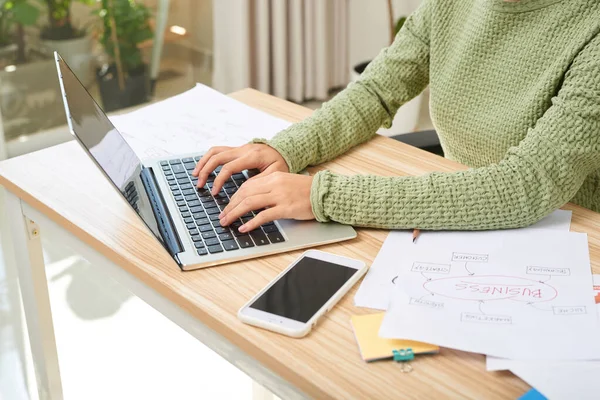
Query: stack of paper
point(522, 296)
point(508, 294)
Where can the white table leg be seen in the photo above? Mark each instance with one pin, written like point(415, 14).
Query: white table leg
point(36, 303)
point(13, 358)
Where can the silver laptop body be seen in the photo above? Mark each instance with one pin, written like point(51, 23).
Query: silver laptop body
point(184, 221)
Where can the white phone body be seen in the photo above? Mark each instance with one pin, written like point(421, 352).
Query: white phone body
point(292, 327)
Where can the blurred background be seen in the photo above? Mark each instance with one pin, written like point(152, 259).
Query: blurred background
point(127, 53)
point(300, 50)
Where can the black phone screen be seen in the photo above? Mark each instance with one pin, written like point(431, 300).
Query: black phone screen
point(304, 289)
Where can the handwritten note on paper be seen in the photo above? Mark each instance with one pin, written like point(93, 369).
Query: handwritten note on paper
point(193, 122)
point(376, 289)
point(493, 302)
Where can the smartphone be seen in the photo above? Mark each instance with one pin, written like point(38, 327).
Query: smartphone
point(293, 302)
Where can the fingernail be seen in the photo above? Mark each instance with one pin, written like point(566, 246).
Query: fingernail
point(242, 228)
point(222, 214)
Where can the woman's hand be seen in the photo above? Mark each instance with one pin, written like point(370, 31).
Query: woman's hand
point(287, 196)
point(236, 159)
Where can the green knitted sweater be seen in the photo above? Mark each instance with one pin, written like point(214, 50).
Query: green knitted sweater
point(515, 95)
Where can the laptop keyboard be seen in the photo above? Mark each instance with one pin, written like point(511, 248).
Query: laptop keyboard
point(200, 210)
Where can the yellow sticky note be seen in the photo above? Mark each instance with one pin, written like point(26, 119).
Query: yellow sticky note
point(373, 348)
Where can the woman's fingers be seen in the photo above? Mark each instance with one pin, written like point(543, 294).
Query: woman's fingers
point(207, 156)
point(250, 203)
point(214, 162)
point(272, 168)
point(283, 195)
point(230, 168)
point(258, 186)
point(263, 217)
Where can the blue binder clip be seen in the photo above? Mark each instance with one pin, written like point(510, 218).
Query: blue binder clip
point(403, 356)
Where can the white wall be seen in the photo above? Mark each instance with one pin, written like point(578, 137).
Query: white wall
point(369, 31)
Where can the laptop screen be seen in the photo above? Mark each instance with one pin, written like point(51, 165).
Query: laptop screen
point(105, 144)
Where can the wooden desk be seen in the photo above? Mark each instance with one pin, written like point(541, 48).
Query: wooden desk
point(61, 187)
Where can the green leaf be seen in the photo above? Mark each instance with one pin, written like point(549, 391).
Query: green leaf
point(132, 25)
point(141, 36)
point(24, 13)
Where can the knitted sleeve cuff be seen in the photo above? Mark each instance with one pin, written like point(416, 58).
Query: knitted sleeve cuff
point(318, 193)
point(281, 151)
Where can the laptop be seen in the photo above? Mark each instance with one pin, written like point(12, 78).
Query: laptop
point(164, 195)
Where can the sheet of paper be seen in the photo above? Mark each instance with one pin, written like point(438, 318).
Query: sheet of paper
point(193, 122)
point(520, 295)
point(563, 382)
point(499, 364)
point(502, 364)
point(376, 289)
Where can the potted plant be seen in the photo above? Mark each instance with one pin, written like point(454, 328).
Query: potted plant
point(72, 43)
point(124, 81)
point(14, 16)
point(408, 115)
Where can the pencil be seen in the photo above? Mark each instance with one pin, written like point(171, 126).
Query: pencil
point(416, 233)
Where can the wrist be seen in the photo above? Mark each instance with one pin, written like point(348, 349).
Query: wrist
point(283, 155)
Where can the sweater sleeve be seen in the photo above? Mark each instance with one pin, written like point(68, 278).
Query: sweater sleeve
point(398, 73)
point(539, 175)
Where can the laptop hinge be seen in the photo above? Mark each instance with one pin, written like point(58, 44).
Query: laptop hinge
point(161, 213)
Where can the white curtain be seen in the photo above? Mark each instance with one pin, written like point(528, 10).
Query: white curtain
point(294, 49)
